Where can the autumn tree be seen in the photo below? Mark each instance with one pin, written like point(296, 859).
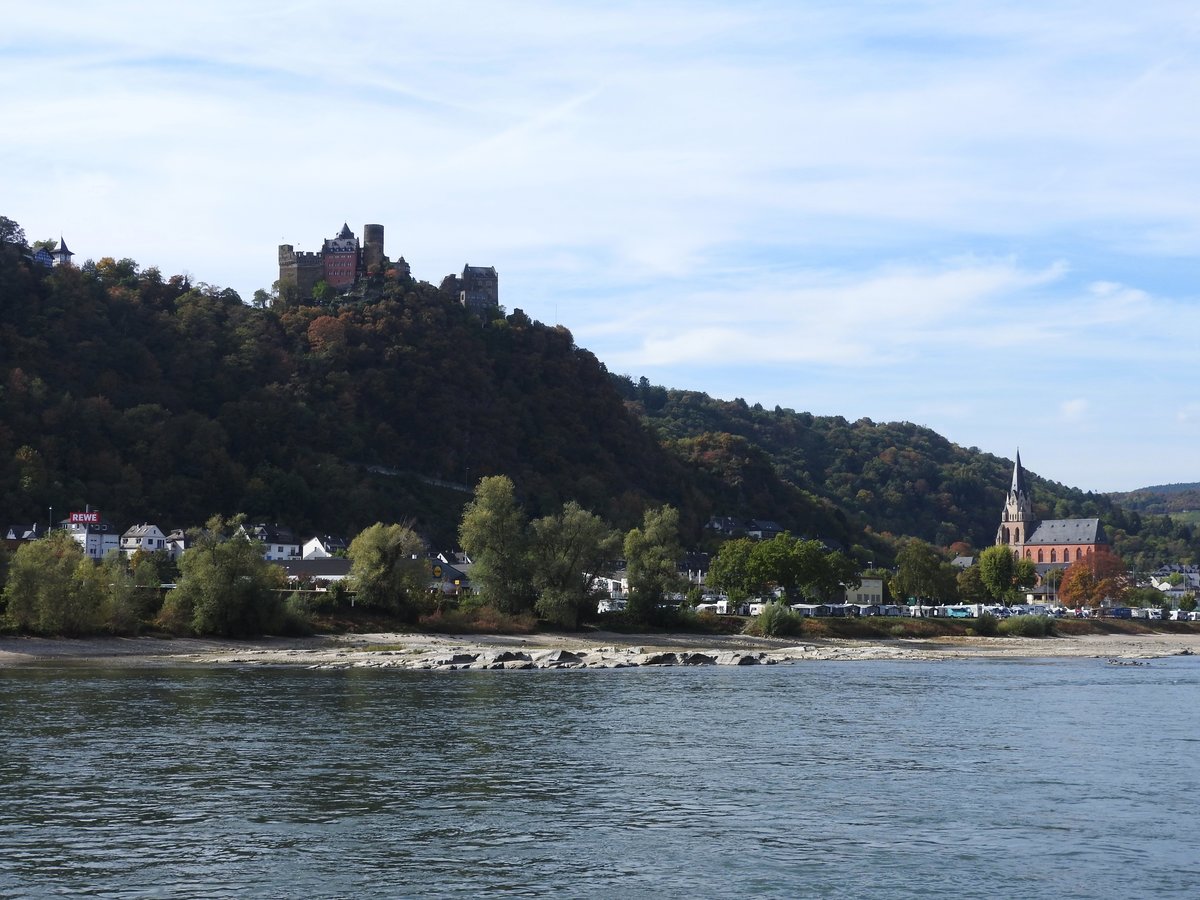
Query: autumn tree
point(1096, 577)
point(652, 552)
point(568, 550)
point(493, 534)
point(388, 569)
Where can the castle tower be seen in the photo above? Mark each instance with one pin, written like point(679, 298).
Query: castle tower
point(341, 256)
point(1016, 522)
point(372, 252)
point(299, 273)
point(62, 256)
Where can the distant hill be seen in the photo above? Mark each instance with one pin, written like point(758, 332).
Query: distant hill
point(1179, 501)
point(158, 399)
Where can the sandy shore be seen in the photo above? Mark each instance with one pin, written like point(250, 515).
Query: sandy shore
point(590, 650)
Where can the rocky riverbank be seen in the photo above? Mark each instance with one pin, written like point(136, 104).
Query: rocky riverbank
point(596, 650)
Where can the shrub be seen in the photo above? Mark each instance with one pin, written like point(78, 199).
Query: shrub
point(478, 620)
point(987, 625)
point(776, 620)
point(1027, 626)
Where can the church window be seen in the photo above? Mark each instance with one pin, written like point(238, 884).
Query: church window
point(1078, 554)
point(1053, 556)
point(1040, 555)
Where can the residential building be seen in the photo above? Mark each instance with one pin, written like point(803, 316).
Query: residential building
point(146, 538)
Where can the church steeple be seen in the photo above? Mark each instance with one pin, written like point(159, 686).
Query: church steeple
point(1016, 522)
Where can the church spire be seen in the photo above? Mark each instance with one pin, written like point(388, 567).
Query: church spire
point(1017, 521)
point(1018, 479)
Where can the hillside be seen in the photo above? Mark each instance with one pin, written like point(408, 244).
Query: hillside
point(1179, 501)
point(157, 399)
point(896, 478)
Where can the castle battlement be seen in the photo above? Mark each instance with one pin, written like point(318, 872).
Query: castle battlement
point(342, 262)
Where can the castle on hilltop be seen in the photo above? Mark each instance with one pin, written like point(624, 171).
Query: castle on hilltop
point(342, 262)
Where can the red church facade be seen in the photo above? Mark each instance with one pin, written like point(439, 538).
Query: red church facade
point(1050, 543)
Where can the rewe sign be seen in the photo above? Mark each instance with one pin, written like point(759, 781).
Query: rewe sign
point(85, 518)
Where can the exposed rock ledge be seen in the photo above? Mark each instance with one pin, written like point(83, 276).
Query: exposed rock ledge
point(568, 651)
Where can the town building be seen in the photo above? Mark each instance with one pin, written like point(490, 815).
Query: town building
point(1047, 543)
point(96, 536)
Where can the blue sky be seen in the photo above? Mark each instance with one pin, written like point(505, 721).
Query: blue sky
point(979, 217)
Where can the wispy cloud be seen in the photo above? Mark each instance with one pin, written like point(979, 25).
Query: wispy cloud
point(994, 199)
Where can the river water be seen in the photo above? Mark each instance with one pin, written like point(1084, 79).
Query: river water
point(1018, 778)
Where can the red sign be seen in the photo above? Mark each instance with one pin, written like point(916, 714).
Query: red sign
point(85, 518)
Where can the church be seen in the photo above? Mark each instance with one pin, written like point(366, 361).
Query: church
point(1050, 543)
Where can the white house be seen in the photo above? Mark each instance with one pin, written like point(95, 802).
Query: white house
point(146, 538)
point(177, 542)
point(323, 547)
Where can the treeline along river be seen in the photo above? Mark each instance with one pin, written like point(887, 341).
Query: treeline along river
point(1048, 778)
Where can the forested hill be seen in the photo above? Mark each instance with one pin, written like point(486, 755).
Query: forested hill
point(895, 477)
point(157, 399)
point(1176, 500)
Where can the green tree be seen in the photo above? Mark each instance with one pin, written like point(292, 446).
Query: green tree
point(225, 586)
point(11, 232)
point(568, 550)
point(923, 573)
point(777, 563)
point(731, 571)
point(971, 588)
point(651, 560)
point(49, 588)
point(493, 534)
point(1002, 575)
point(838, 573)
point(388, 569)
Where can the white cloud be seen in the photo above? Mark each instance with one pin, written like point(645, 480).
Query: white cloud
point(998, 200)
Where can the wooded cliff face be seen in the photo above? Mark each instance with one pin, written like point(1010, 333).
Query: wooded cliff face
point(155, 399)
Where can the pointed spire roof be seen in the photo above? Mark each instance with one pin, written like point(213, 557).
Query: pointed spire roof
point(1018, 480)
point(346, 232)
point(62, 247)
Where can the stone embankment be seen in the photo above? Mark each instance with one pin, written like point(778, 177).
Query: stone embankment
point(592, 658)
